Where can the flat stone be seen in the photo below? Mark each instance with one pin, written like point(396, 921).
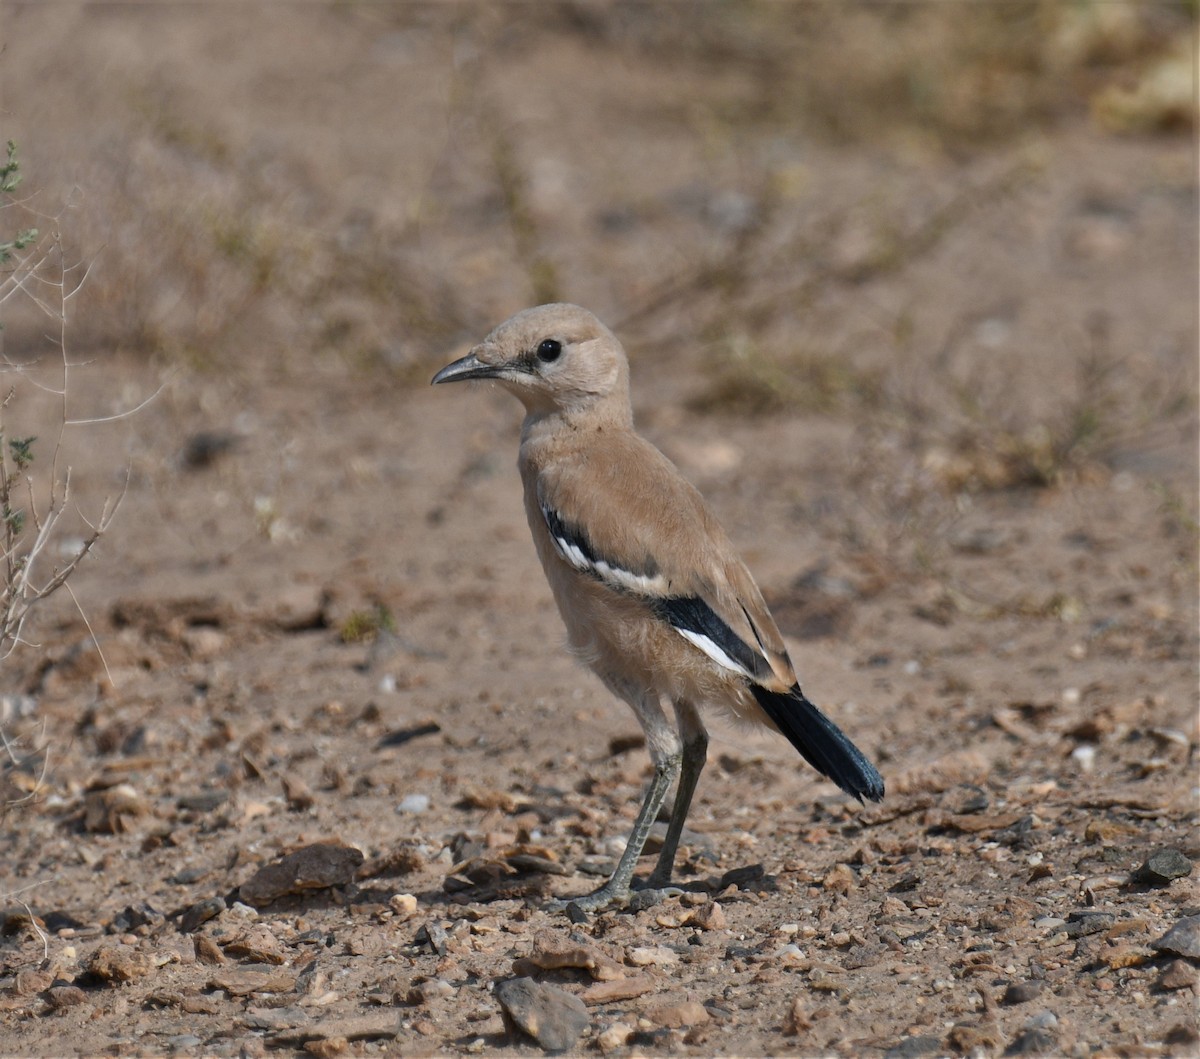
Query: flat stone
point(200, 913)
point(1183, 939)
point(243, 982)
point(650, 955)
point(679, 1016)
point(619, 989)
point(551, 1016)
point(1082, 923)
point(319, 866)
point(552, 950)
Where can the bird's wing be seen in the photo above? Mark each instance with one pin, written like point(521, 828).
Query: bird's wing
point(622, 514)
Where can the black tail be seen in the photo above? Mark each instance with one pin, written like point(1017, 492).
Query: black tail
point(823, 744)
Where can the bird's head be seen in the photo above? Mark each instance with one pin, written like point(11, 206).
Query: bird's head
point(554, 358)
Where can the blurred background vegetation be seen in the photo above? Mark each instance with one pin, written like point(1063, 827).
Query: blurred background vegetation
point(754, 187)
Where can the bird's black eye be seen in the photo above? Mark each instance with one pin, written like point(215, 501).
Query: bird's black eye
point(549, 350)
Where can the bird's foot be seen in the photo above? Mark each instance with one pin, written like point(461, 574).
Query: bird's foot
point(613, 898)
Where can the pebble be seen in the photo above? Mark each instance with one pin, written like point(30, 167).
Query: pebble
point(1183, 939)
point(314, 867)
point(1178, 975)
point(551, 1016)
point(552, 950)
point(679, 1016)
point(1163, 867)
point(1085, 757)
point(619, 989)
point(427, 992)
point(1034, 1042)
point(648, 955)
point(1086, 922)
point(65, 996)
point(1023, 992)
point(413, 803)
point(909, 1047)
point(790, 954)
point(615, 1036)
point(403, 905)
point(112, 963)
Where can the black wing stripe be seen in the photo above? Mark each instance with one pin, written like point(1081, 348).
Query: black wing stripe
point(699, 623)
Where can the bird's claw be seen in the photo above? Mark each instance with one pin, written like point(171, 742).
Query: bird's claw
point(606, 900)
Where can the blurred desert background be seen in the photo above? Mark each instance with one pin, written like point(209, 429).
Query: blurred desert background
point(909, 292)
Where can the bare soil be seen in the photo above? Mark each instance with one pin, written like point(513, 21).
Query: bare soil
point(938, 383)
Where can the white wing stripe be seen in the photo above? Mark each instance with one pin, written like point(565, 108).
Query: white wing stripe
point(632, 582)
point(713, 651)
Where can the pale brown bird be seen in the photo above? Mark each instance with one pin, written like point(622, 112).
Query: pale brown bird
point(654, 597)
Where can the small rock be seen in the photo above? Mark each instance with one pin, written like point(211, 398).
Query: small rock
point(201, 912)
point(113, 810)
point(434, 935)
point(551, 1016)
point(1034, 1042)
point(327, 1047)
point(240, 982)
point(909, 1047)
point(298, 793)
point(798, 1018)
point(258, 945)
point(413, 803)
point(679, 1016)
point(967, 798)
point(208, 951)
point(619, 989)
point(552, 950)
point(202, 802)
point(650, 955)
point(425, 993)
point(1084, 922)
point(29, 982)
point(403, 905)
point(1023, 992)
point(1183, 939)
point(968, 1038)
point(709, 916)
point(118, 963)
point(1178, 975)
point(319, 866)
point(65, 996)
point(616, 1036)
point(1162, 867)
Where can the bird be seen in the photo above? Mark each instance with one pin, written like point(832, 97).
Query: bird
point(655, 599)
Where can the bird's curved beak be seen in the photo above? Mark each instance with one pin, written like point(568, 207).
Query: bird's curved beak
point(468, 367)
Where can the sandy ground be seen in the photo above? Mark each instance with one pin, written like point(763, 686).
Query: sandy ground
point(940, 387)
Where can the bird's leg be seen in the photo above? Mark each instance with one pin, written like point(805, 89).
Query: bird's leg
point(695, 754)
point(616, 892)
point(663, 744)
